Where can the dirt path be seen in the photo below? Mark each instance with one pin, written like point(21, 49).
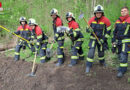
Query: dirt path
point(13, 76)
point(8, 45)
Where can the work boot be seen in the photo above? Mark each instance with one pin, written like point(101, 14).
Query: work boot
point(48, 58)
point(16, 58)
point(60, 62)
point(73, 62)
point(120, 74)
point(102, 63)
point(87, 69)
point(43, 61)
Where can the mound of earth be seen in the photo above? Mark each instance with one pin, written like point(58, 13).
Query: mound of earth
point(14, 76)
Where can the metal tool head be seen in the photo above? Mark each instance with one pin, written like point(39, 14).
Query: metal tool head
point(81, 15)
point(48, 52)
point(31, 74)
point(62, 29)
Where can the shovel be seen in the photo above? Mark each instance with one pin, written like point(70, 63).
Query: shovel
point(82, 16)
point(48, 50)
point(32, 74)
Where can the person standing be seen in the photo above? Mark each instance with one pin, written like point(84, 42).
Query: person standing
point(121, 39)
point(77, 39)
point(58, 36)
point(39, 38)
point(101, 27)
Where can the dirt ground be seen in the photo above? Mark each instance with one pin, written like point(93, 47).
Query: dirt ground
point(14, 76)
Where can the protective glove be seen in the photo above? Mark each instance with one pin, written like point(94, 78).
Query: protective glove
point(101, 41)
point(16, 32)
point(33, 41)
point(24, 47)
point(89, 30)
point(114, 44)
point(113, 49)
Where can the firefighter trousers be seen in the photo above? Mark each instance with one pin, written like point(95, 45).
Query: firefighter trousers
point(60, 52)
point(43, 52)
point(124, 57)
point(76, 52)
point(92, 46)
point(22, 44)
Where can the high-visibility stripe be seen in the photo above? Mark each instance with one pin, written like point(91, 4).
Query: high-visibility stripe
point(107, 36)
point(32, 37)
point(16, 53)
point(128, 52)
point(38, 43)
point(61, 38)
point(21, 29)
point(77, 29)
point(117, 22)
point(77, 47)
point(123, 64)
point(44, 57)
point(101, 47)
point(126, 31)
point(45, 41)
point(29, 45)
point(93, 43)
point(101, 23)
point(80, 39)
point(74, 57)
point(123, 22)
point(89, 60)
point(94, 22)
point(123, 47)
point(101, 58)
point(75, 34)
point(20, 40)
point(56, 35)
point(43, 48)
point(81, 55)
point(59, 56)
point(36, 49)
point(40, 36)
point(91, 37)
point(125, 40)
point(26, 29)
point(61, 47)
point(109, 28)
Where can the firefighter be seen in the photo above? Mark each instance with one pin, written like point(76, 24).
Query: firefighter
point(25, 32)
point(121, 39)
point(101, 26)
point(40, 38)
point(77, 39)
point(58, 36)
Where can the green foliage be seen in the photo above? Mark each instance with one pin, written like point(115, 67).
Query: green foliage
point(40, 10)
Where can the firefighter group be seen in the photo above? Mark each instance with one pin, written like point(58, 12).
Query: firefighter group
point(99, 28)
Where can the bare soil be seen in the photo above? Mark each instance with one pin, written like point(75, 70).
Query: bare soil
point(14, 76)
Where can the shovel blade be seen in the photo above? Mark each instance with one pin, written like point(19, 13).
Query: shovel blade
point(31, 74)
point(48, 52)
point(81, 16)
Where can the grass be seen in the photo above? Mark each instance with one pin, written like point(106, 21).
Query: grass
point(40, 10)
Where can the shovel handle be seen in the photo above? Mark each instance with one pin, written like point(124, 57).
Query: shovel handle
point(92, 32)
point(14, 34)
point(51, 45)
point(34, 62)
